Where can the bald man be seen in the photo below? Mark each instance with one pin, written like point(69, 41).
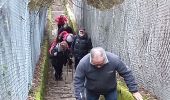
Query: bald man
point(97, 73)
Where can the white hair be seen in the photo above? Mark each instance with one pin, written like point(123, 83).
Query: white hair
point(98, 49)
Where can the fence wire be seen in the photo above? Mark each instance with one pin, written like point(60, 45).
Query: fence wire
point(21, 35)
point(139, 32)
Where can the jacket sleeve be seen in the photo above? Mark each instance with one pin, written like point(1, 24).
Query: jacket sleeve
point(72, 45)
point(126, 73)
point(79, 80)
point(89, 44)
point(52, 46)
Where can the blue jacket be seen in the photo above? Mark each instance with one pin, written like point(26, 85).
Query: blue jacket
point(101, 80)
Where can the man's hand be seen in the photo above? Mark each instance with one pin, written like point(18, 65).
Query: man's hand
point(55, 54)
point(137, 96)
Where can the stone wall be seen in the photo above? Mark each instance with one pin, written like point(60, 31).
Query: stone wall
point(139, 32)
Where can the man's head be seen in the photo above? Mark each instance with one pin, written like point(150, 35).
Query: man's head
point(64, 45)
point(98, 57)
point(81, 33)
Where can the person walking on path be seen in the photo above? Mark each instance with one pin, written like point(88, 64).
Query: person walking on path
point(96, 73)
point(61, 20)
point(80, 46)
point(59, 57)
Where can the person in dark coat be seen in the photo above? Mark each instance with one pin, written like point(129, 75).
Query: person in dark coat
point(81, 46)
point(60, 55)
point(61, 20)
point(66, 28)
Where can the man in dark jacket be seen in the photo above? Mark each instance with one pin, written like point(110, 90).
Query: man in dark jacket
point(81, 46)
point(97, 73)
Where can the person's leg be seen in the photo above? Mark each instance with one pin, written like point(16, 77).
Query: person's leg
point(111, 95)
point(60, 71)
point(56, 72)
point(76, 62)
point(54, 63)
point(92, 96)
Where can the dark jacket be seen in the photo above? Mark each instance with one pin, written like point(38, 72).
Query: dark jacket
point(60, 58)
point(68, 29)
point(101, 80)
point(81, 46)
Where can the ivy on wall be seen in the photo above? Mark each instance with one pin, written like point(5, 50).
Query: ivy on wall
point(37, 4)
point(104, 4)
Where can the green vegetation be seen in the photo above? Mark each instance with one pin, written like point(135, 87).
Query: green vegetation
point(104, 4)
point(49, 21)
point(37, 4)
point(123, 92)
point(70, 14)
point(39, 93)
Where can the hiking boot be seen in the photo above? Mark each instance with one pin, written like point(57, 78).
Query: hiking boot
point(56, 78)
point(60, 78)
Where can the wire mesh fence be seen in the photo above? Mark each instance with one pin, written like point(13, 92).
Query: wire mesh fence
point(21, 35)
point(137, 31)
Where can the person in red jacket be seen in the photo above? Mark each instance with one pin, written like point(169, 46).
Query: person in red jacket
point(61, 20)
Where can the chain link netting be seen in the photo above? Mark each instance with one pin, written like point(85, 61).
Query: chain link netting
point(139, 32)
point(21, 35)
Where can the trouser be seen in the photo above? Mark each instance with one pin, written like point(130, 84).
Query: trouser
point(76, 61)
point(58, 70)
point(108, 96)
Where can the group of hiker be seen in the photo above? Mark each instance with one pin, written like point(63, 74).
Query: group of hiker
point(66, 45)
point(95, 68)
